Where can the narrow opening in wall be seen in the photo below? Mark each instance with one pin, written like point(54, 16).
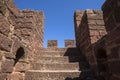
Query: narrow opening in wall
point(19, 54)
point(101, 59)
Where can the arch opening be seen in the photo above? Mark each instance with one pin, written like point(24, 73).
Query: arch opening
point(19, 54)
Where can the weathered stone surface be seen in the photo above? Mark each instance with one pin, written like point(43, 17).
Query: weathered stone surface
point(69, 43)
point(3, 76)
point(94, 30)
point(16, 76)
point(12, 7)
point(4, 26)
point(0, 56)
point(5, 43)
point(7, 66)
point(21, 67)
point(52, 44)
point(9, 55)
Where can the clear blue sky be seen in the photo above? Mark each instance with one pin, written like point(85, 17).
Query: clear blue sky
point(59, 23)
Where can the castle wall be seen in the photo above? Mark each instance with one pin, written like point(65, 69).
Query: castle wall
point(30, 30)
point(69, 43)
point(21, 33)
point(89, 28)
point(97, 36)
point(111, 10)
point(52, 44)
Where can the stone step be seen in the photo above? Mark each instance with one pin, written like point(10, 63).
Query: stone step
point(64, 59)
point(51, 60)
point(58, 49)
point(57, 53)
point(64, 50)
point(69, 66)
point(52, 75)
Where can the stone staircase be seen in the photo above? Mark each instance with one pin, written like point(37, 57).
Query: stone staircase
point(56, 64)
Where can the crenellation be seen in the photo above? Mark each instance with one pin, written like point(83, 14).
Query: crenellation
point(52, 44)
point(69, 43)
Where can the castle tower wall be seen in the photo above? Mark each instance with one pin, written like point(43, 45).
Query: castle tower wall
point(111, 11)
point(21, 34)
point(89, 28)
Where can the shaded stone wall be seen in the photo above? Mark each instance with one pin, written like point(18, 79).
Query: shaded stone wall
point(97, 36)
point(89, 28)
point(111, 10)
point(21, 33)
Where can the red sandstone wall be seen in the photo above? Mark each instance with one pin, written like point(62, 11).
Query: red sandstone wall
point(30, 29)
point(89, 28)
point(99, 41)
point(111, 10)
point(21, 34)
point(89, 31)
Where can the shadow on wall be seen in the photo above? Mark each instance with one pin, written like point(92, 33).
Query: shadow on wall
point(73, 78)
point(88, 78)
point(75, 55)
point(19, 54)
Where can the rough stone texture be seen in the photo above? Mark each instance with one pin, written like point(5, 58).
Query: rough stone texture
point(21, 33)
point(52, 44)
point(3, 76)
point(16, 76)
point(88, 31)
point(69, 43)
point(21, 67)
point(5, 43)
point(97, 36)
point(7, 66)
point(57, 67)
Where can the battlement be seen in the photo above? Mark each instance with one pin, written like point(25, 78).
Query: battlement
point(52, 44)
point(69, 43)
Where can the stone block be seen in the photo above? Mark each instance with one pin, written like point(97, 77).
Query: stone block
point(1, 56)
point(5, 43)
point(69, 43)
point(52, 44)
point(16, 76)
point(77, 12)
point(61, 75)
point(9, 55)
point(100, 22)
point(95, 16)
point(12, 7)
point(88, 11)
point(4, 26)
point(98, 12)
point(7, 66)
point(3, 76)
point(21, 67)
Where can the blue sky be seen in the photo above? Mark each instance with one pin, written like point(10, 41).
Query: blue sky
point(59, 21)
